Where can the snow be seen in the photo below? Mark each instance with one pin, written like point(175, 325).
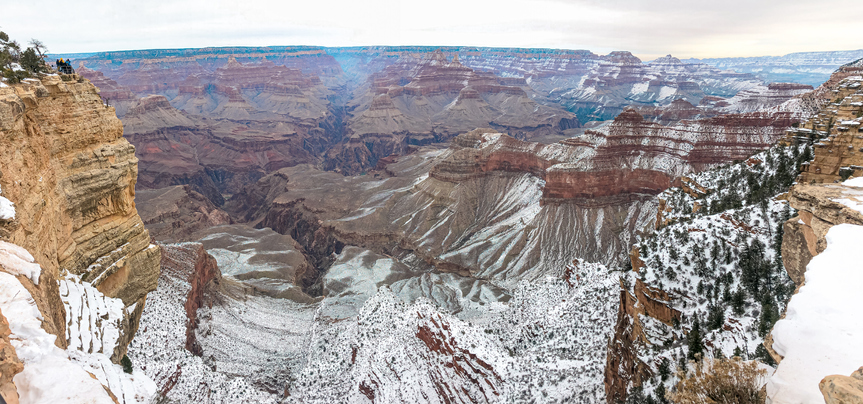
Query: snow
point(52, 375)
point(7, 208)
point(854, 182)
point(822, 329)
point(48, 376)
point(640, 88)
point(666, 92)
point(93, 320)
point(17, 261)
point(853, 197)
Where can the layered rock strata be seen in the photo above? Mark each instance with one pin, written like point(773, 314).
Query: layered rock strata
point(346, 108)
point(837, 134)
point(824, 200)
point(72, 176)
point(177, 213)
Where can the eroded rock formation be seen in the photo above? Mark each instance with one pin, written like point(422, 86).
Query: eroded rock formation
point(173, 214)
point(190, 263)
point(72, 178)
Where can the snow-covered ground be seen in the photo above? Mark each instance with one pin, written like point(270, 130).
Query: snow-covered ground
point(822, 330)
point(399, 339)
point(81, 373)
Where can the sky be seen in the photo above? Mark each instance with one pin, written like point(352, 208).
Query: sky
point(684, 28)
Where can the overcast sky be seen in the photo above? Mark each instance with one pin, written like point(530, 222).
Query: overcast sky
point(684, 28)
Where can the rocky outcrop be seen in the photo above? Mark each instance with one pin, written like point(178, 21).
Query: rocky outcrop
point(72, 178)
point(623, 367)
point(822, 197)
point(839, 389)
point(817, 211)
point(10, 365)
point(174, 214)
point(837, 156)
point(201, 275)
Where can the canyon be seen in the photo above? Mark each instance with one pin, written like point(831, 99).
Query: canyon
point(392, 224)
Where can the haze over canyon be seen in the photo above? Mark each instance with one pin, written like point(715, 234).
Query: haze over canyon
point(390, 224)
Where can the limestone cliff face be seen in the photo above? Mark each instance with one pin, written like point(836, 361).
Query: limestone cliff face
point(820, 197)
point(837, 131)
point(71, 175)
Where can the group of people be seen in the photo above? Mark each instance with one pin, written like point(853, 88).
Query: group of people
point(64, 66)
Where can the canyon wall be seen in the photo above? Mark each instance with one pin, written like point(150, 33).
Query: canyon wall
point(71, 175)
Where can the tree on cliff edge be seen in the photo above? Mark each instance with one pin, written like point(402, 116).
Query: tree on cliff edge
point(39, 47)
point(31, 62)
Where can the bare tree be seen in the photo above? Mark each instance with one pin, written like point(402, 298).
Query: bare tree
point(39, 47)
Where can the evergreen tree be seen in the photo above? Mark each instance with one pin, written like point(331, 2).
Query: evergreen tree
point(715, 317)
point(695, 342)
point(660, 394)
point(31, 62)
point(738, 301)
point(769, 316)
point(761, 353)
point(127, 364)
point(664, 369)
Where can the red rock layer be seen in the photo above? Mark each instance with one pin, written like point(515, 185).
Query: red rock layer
point(622, 365)
point(191, 262)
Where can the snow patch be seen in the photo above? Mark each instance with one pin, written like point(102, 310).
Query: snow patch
point(17, 261)
point(7, 208)
point(854, 182)
point(49, 376)
point(822, 329)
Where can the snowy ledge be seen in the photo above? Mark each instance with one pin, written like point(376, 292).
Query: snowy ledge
point(822, 330)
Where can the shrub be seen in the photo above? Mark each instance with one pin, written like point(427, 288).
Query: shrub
point(127, 364)
point(720, 381)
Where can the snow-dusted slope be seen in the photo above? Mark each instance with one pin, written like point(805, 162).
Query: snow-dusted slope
point(83, 373)
point(388, 341)
point(544, 345)
point(811, 68)
point(717, 256)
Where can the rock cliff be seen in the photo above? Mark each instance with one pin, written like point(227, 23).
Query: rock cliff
point(825, 200)
point(71, 176)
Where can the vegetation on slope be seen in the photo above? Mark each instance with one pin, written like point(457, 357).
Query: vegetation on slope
point(718, 255)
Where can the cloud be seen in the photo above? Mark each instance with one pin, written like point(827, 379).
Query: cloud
point(691, 28)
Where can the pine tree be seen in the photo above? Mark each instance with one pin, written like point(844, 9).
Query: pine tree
point(695, 342)
point(738, 301)
point(127, 364)
point(31, 62)
point(664, 369)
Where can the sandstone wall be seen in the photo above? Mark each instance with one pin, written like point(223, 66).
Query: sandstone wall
point(71, 175)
